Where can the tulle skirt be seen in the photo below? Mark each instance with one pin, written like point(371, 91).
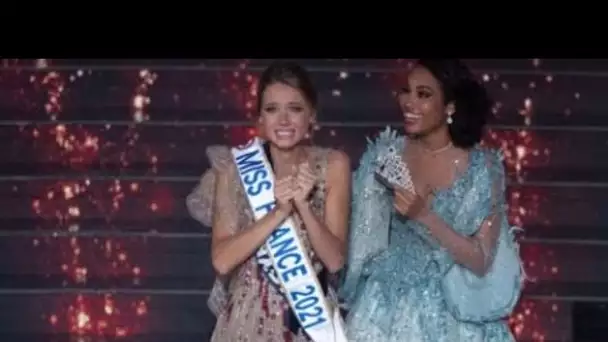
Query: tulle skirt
point(385, 312)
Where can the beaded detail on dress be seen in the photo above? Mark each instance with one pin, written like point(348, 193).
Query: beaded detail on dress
point(395, 266)
point(247, 306)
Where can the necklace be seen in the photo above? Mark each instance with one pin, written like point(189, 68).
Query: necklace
point(439, 150)
point(434, 153)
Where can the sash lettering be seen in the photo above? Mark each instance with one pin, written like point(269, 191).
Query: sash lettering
point(283, 258)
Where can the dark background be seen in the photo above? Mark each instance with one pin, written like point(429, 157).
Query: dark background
point(99, 155)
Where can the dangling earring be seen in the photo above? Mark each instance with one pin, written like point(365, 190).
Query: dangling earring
point(450, 112)
point(308, 135)
point(312, 128)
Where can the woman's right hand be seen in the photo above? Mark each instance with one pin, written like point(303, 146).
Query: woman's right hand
point(284, 192)
point(231, 246)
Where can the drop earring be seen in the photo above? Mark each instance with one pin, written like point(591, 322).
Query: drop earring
point(311, 130)
point(449, 119)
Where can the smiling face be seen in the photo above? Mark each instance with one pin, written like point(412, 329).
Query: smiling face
point(422, 103)
point(285, 115)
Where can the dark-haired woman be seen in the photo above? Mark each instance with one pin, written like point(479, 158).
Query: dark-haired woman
point(423, 263)
point(310, 188)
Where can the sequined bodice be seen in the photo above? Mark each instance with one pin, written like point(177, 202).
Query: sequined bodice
point(394, 281)
point(248, 307)
point(412, 247)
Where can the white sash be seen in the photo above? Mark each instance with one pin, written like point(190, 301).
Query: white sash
point(285, 253)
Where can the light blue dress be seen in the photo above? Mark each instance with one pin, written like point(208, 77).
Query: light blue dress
point(392, 284)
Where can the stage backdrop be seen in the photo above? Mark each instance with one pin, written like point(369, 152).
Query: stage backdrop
point(99, 155)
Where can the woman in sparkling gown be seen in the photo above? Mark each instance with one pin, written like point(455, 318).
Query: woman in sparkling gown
point(403, 244)
point(310, 188)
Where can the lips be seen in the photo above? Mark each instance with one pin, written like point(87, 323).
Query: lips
point(412, 116)
point(285, 133)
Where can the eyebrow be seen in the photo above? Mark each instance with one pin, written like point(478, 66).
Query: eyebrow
point(423, 87)
point(404, 89)
point(274, 103)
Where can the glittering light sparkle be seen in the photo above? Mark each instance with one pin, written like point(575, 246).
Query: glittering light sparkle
point(74, 148)
point(523, 150)
point(241, 85)
point(141, 100)
point(69, 204)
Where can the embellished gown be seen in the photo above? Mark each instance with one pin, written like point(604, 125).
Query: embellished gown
point(247, 306)
point(392, 285)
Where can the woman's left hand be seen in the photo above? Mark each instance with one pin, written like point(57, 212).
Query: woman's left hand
point(409, 204)
point(305, 182)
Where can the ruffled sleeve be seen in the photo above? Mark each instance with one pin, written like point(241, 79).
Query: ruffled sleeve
point(204, 202)
point(200, 202)
point(494, 295)
point(370, 219)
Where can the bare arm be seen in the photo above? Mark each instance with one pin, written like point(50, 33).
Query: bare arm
point(475, 252)
point(328, 239)
point(228, 249)
point(472, 252)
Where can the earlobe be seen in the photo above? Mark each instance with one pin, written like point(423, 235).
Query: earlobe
point(450, 109)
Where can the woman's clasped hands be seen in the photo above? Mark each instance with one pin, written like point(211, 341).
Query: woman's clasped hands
point(294, 189)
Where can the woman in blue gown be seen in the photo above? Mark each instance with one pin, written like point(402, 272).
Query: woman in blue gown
point(424, 264)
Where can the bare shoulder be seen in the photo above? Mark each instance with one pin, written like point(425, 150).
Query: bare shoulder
point(338, 166)
point(337, 159)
